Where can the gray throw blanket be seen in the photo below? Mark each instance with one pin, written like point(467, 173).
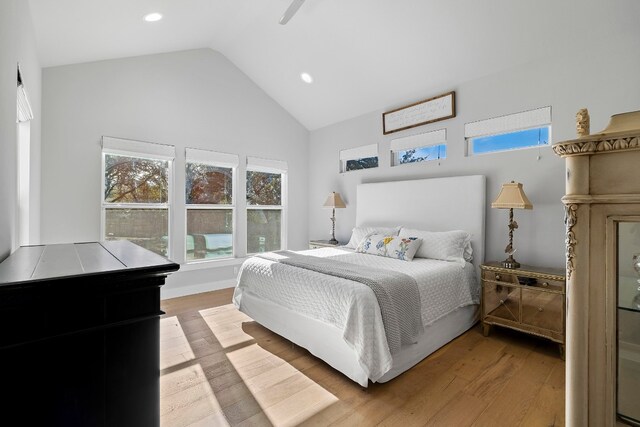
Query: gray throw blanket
point(397, 293)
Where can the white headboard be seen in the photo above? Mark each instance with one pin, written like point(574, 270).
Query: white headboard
point(436, 204)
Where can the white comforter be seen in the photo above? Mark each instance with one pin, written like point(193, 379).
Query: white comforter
point(352, 307)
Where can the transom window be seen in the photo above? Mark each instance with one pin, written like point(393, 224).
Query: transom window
point(421, 154)
point(364, 157)
point(511, 141)
point(423, 147)
point(511, 132)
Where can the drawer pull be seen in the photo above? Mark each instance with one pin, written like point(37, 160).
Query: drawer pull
point(545, 284)
point(501, 301)
point(498, 277)
point(540, 309)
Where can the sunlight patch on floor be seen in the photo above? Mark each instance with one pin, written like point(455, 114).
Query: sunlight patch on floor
point(174, 346)
point(285, 394)
point(226, 324)
point(193, 404)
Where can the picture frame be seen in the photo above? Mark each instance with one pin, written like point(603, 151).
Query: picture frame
point(420, 113)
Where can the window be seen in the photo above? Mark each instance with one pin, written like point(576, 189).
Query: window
point(514, 131)
point(137, 187)
point(266, 194)
point(24, 116)
point(210, 204)
point(24, 149)
point(511, 141)
point(419, 148)
point(363, 157)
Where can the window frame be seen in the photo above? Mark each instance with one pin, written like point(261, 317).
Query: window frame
point(23, 181)
point(536, 118)
point(470, 142)
point(359, 153)
point(273, 167)
point(192, 156)
point(419, 141)
point(142, 150)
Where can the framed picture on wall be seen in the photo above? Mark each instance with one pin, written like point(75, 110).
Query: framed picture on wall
point(430, 110)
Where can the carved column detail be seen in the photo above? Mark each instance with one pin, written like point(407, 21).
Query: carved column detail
point(570, 220)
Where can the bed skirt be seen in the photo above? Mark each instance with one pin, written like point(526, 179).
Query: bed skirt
point(325, 341)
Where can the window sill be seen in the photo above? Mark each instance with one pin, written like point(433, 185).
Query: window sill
point(213, 263)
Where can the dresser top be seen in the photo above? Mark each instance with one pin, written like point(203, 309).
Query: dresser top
point(51, 262)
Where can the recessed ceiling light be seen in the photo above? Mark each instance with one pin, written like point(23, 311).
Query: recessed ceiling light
point(306, 77)
point(153, 17)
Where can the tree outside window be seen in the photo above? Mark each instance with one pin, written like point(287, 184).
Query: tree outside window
point(209, 199)
point(264, 211)
point(136, 195)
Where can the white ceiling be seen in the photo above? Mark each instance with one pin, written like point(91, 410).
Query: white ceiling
point(364, 55)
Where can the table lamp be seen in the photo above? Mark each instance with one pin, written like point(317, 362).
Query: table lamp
point(511, 197)
point(334, 201)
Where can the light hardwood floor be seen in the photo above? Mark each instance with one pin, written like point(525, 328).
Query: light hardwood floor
point(219, 368)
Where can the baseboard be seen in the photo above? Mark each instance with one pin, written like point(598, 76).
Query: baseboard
point(181, 291)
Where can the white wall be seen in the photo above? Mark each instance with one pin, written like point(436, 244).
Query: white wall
point(193, 98)
point(604, 80)
point(17, 44)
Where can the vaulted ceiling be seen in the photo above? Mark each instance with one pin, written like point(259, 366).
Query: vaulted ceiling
point(364, 55)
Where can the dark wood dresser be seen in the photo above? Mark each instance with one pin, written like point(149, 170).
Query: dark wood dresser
point(79, 335)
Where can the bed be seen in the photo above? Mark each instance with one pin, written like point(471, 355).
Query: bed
point(338, 320)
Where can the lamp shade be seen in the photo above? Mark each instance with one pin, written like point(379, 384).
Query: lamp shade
point(512, 197)
point(334, 201)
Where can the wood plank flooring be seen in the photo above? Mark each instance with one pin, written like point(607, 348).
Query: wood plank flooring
point(220, 368)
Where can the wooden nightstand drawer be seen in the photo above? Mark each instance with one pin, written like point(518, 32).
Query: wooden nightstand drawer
point(542, 309)
point(502, 302)
point(499, 277)
point(552, 285)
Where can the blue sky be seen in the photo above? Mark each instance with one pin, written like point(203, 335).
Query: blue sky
point(431, 152)
point(510, 141)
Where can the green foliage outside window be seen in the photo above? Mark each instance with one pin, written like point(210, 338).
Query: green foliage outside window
point(365, 163)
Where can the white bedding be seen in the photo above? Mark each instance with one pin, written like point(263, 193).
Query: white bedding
point(350, 306)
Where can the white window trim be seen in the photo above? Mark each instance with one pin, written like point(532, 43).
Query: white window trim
point(133, 148)
point(266, 165)
point(221, 160)
point(255, 164)
point(113, 146)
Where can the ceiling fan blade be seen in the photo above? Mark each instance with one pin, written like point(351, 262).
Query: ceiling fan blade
point(291, 10)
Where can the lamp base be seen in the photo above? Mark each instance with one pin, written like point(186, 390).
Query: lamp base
point(510, 263)
point(333, 241)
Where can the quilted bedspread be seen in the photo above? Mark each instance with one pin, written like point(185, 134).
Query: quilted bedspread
point(351, 306)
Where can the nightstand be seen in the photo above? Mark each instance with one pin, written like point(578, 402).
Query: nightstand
point(527, 299)
point(315, 244)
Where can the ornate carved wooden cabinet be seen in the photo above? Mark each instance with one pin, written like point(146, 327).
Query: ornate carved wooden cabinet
point(602, 204)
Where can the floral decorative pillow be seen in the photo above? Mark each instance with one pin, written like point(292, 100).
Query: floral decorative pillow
point(402, 248)
point(359, 233)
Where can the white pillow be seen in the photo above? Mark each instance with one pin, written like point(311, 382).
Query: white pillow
point(402, 248)
point(359, 233)
point(445, 245)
